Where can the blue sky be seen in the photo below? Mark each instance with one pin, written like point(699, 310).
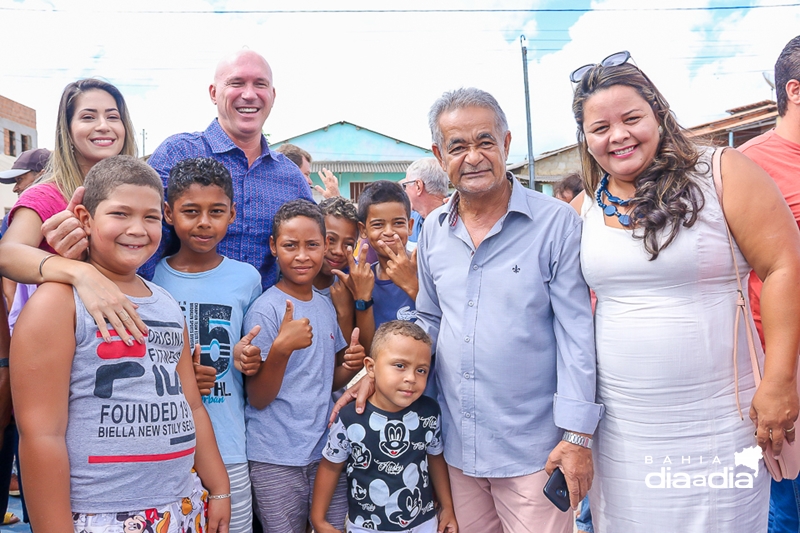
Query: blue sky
point(383, 70)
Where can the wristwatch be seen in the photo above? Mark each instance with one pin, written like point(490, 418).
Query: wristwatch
point(363, 305)
point(580, 440)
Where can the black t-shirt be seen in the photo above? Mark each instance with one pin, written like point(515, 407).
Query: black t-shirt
point(387, 463)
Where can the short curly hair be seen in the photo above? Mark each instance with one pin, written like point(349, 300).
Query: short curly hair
point(340, 208)
point(204, 171)
point(297, 208)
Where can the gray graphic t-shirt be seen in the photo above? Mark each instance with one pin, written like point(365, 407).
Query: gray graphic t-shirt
point(130, 432)
point(291, 430)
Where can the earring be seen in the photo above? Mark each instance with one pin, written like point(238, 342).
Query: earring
point(660, 130)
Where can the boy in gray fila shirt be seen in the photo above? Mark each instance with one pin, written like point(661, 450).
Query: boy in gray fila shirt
point(109, 432)
point(289, 398)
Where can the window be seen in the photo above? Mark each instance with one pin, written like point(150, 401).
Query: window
point(26, 142)
point(11, 142)
point(356, 188)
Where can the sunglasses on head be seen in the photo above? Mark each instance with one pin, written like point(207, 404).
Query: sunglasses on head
point(614, 60)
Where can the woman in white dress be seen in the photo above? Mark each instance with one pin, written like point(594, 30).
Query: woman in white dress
point(671, 452)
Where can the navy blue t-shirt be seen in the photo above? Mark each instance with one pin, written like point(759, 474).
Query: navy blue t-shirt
point(391, 302)
point(387, 463)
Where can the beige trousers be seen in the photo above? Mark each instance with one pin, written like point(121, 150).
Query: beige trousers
point(506, 505)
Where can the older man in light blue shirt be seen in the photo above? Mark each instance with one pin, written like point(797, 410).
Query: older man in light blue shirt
point(502, 295)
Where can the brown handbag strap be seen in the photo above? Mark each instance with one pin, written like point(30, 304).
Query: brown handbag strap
point(742, 310)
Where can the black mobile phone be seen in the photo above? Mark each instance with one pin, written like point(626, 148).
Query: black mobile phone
point(557, 491)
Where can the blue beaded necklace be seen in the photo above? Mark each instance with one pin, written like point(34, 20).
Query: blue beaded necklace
point(610, 209)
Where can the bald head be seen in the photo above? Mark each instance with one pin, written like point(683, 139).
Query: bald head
point(229, 62)
point(243, 93)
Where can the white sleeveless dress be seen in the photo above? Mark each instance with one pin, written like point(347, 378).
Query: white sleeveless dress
point(671, 453)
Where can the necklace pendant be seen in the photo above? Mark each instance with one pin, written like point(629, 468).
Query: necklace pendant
point(610, 210)
point(625, 220)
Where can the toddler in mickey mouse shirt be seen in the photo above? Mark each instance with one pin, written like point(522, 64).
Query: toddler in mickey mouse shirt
point(392, 451)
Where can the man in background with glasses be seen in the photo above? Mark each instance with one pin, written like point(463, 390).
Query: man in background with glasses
point(426, 186)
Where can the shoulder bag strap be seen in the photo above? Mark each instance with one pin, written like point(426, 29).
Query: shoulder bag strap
point(742, 311)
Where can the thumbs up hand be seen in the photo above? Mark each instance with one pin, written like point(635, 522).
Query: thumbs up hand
point(205, 376)
point(246, 356)
point(354, 354)
point(293, 334)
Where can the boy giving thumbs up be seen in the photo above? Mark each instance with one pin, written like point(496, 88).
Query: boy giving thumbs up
point(289, 396)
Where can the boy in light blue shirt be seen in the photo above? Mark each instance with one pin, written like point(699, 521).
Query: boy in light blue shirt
point(214, 293)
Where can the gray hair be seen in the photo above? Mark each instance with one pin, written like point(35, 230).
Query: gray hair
point(459, 99)
point(430, 172)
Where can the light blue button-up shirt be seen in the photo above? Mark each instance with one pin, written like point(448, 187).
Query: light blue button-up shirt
point(512, 328)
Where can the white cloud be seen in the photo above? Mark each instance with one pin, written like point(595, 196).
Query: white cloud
point(381, 71)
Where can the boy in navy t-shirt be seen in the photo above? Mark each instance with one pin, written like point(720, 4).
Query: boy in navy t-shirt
point(393, 450)
point(385, 290)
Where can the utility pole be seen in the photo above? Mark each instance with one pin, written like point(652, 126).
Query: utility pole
point(144, 136)
point(523, 44)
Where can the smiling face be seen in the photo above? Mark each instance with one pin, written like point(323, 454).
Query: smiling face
point(473, 151)
point(384, 221)
point(621, 131)
point(96, 129)
point(299, 248)
point(400, 370)
point(200, 216)
point(125, 229)
point(340, 233)
point(244, 94)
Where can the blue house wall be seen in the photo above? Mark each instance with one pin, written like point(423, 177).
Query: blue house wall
point(356, 155)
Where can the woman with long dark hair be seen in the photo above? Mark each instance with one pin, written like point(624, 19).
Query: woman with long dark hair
point(672, 452)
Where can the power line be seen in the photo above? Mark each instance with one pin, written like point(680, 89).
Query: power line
point(396, 11)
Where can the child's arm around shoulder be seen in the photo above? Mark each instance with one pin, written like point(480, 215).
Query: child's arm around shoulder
point(207, 460)
point(40, 376)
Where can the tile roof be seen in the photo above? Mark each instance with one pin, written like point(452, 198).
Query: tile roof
point(361, 166)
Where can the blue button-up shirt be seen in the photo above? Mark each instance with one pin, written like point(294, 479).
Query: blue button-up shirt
point(258, 191)
point(512, 327)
